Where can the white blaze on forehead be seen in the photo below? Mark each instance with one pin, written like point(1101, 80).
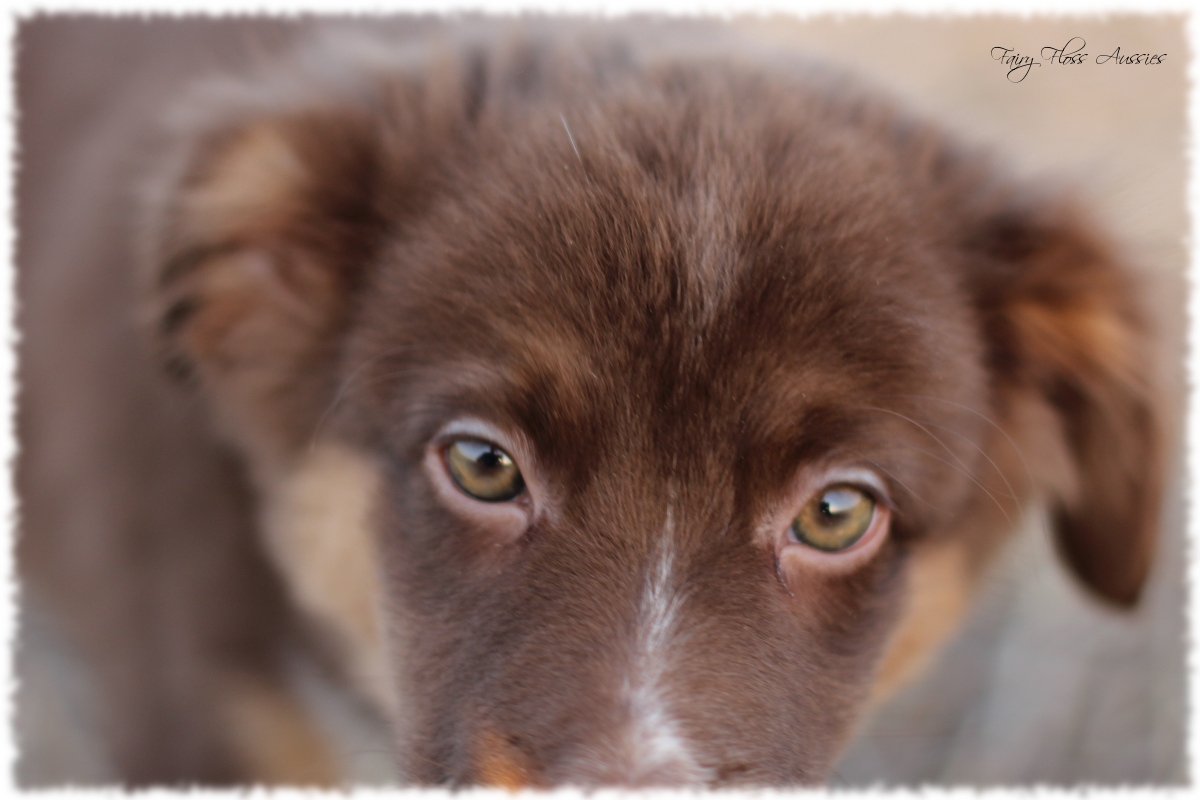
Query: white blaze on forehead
point(653, 738)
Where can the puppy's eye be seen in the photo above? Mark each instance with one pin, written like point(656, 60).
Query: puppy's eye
point(835, 518)
point(484, 471)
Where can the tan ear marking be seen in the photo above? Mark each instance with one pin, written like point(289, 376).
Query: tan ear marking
point(1080, 337)
point(1074, 339)
point(253, 186)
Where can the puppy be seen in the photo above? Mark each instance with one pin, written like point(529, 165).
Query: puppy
point(606, 412)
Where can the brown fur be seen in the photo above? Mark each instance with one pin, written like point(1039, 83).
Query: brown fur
point(676, 283)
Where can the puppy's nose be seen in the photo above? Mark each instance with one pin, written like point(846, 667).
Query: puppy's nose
point(674, 772)
point(634, 764)
point(498, 763)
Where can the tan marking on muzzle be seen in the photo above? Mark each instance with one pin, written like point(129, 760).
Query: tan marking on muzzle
point(940, 588)
point(318, 532)
point(499, 764)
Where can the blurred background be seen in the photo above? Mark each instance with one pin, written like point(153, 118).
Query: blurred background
point(1043, 685)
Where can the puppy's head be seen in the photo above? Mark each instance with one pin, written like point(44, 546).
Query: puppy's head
point(695, 398)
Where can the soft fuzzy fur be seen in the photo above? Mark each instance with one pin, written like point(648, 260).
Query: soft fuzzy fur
point(677, 285)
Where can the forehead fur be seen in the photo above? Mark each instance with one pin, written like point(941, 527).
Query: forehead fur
point(672, 235)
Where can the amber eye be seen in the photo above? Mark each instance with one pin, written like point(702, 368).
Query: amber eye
point(484, 471)
point(835, 518)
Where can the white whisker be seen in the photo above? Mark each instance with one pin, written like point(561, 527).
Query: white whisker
point(964, 468)
point(570, 138)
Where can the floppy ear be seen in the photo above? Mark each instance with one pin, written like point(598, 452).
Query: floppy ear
point(264, 218)
point(1065, 330)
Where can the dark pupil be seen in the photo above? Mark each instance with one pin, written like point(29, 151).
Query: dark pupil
point(489, 460)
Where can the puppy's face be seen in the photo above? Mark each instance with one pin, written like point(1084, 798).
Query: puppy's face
point(672, 396)
point(653, 466)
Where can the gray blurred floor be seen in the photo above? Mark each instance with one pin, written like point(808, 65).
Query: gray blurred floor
point(1042, 686)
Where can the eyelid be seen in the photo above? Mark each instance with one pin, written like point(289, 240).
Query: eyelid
point(477, 430)
point(859, 478)
point(807, 484)
point(443, 445)
point(537, 494)
point(512, 442)
point(796, 558)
